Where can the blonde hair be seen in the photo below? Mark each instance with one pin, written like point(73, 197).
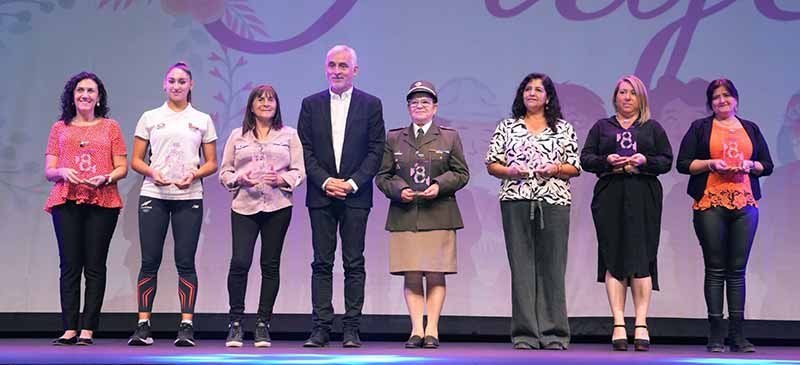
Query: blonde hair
point(641, 92)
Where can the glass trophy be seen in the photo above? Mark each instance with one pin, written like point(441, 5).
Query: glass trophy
point(525, 155)
point(261, 165)
point(85, 164)
point(175, 169)
point(730, 151)
point(731, 154)
point(626, 144)
point(420, 173)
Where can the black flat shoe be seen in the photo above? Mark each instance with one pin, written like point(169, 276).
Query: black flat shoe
point(84, 341)
point(620, 344)
point(430, 342)
point(61, 341)
point(414, 342)
point(640, 344)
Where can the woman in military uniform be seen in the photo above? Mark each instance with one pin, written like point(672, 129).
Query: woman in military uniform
point(423, 166)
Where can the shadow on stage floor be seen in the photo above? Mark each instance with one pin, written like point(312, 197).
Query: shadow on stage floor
point(115, 351)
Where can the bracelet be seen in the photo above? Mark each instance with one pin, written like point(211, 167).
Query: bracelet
point(558, 170)
point(710, 166)
point(109, 179)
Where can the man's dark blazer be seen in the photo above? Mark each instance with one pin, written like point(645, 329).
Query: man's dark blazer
point(362, 150)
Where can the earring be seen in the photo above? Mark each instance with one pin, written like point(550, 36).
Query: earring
point(98, 103)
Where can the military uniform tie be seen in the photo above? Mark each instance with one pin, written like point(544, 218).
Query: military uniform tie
point(420, 134)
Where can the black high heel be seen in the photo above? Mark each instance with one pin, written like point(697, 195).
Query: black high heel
point(620, 344)
point(641, 344)
point(61, 341)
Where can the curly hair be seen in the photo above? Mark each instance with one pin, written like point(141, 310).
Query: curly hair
point(68, 110)
point(249, 120)
point(552, 110)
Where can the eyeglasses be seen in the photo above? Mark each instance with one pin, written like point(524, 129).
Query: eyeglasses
point(423, 103)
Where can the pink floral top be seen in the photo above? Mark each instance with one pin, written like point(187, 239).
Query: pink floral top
point(89, 150)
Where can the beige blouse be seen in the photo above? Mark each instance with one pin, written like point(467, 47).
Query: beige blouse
point(281, 152)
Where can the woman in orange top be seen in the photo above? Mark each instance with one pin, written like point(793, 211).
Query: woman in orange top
point(725, 156)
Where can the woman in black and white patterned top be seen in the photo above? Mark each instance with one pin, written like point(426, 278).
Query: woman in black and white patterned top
point(535, 153)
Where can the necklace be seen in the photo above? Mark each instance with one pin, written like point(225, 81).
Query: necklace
point(730, 124)
point(86, 128)
point(625, 123)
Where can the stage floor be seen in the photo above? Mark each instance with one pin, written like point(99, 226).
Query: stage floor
point(115, 351)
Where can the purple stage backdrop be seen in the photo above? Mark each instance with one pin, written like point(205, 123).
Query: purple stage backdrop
point(476, 52)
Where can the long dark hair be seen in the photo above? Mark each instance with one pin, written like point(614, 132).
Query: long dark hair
point(249, 120)
point(714, 85)
point(185, 67)
point(68, 110)
point(552, 110)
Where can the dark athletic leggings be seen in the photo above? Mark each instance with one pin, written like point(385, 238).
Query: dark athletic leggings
point(155, 216)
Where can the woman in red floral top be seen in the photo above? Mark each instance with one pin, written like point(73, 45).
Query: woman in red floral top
point(85, 158)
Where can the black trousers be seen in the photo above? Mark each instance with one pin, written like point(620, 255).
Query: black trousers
point(155, 216)
point(352, 225)
point(83, 232)
point(726, 237)
point(245, 229)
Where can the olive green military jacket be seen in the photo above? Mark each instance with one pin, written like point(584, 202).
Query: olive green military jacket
point(442, 156)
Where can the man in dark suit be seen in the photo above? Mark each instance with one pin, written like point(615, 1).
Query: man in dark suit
point(342, 132)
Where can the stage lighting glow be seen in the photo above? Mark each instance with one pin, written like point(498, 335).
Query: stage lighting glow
point(288, 359)
point(724, 361)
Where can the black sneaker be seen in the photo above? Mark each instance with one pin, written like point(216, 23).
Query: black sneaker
point(141, 336)
point(235, 335)
point(185, 335)
point(350, 338)
point(262, 335)
point(319, 338)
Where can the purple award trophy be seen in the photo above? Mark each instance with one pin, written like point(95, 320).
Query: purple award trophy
point(626, 144)
point(420, 173)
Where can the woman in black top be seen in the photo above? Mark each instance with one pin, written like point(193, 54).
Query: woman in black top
point(627, 151)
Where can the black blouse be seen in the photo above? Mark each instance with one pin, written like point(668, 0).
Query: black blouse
point(651, 141)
